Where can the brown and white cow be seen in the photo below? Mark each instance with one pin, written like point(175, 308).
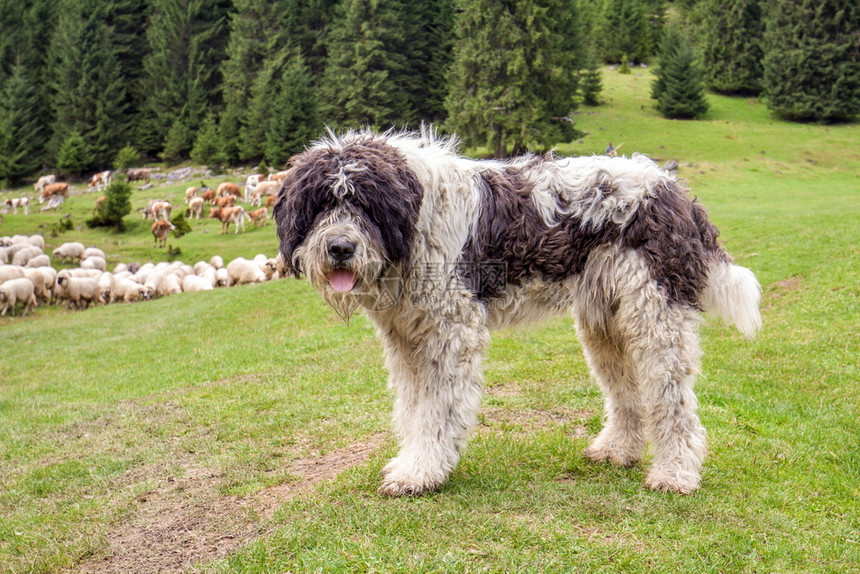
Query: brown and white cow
point(160, 229)
point(54, 190)
point(99, 181)
point(228, 188)
point(258, 216)
point(227, 215)
point(17, 202)
point(43, 181)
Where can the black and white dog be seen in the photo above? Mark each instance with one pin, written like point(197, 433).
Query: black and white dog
point(439, 249)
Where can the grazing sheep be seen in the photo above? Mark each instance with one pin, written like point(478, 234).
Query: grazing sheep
point(14, 291)
point(37, 240)
point(93, 252)
point(106, 281)
point(72, 251)
point(39, 261)
point(23, 256)
point(242, 271)
point(94, 262)
point(216, 261)
point(222, 278)
point(49, 275)
point(79, 292)
point(8, 272)
point(129, 291)
point(40, 285)
point(196, 283)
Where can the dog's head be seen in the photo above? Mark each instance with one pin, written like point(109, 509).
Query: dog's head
point(346, 216)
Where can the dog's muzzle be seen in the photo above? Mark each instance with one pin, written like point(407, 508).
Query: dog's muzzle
point(341, 278)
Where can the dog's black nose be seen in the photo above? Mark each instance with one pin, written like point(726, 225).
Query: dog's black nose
point(341, 250)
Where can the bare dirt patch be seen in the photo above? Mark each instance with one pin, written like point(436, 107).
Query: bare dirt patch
point(184, 521)
point(526, 421)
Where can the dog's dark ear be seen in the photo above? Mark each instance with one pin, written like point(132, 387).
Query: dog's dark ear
point(291, 220)
point(390, 194)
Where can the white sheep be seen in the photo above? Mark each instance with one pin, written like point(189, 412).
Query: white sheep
point(222, 278)
point(8, 272)
point(73, 251)
point(24, 255)
point(93, 252)
point(40, 283)
point(170, 285)
point(94, 262)
point(14, 291)
point(129, 291)
point(39, 261)
point(50, 277)
point(120, 268)
point(79, 291)
point(105, 281)
point(196, 283)
point(217, 262)
point(242, 271)
point(37, 240)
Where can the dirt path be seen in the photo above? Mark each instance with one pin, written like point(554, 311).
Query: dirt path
point(185, 521)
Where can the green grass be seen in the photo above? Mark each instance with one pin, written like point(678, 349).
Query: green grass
point(207, 403)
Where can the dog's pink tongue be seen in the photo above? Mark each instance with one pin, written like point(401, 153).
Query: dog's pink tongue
point(341, 280)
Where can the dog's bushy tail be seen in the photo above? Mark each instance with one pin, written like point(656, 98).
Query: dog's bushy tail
point(733, 293)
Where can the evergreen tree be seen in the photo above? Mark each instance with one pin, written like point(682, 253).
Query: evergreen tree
point(679, 86)
point(73, 156)
point(207, 145)
point(177, 144)
point(360, 84)
point(21, 134)
point(514, 73)
point(88, 90)
point(253, 29)
point(624, 31)
point(731, 38)
point(116, 206)
point(812, 59)
point(181, 68)
point(591, 80)
point(294, 119)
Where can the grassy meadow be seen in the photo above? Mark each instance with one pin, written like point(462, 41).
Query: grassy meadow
point(243, 429)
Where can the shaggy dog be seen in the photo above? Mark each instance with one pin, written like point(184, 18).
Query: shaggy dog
point(439, 249)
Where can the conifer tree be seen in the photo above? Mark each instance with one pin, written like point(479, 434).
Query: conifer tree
point(20, 131)
point(514, 74)
point(731, 38)
point(591, 80)
point(360, 84)
point(73, 156)
point(181, 68)
point(207, 144)
point(812, 59)
point(624, 31)
point(294, 119)
point(116, 206)
point(88, 90)
point(679, 86)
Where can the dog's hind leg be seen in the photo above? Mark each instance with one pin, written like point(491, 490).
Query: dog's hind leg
point(438, 381)
point(622, 439)
point(664, 345)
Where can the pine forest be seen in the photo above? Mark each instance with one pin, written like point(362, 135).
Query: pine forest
point(251, 82)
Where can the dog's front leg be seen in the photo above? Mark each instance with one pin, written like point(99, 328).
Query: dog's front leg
point(437, 377)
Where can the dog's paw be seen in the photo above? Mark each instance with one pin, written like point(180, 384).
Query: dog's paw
point(615, 456)
point(681, 482)
point(399, 481)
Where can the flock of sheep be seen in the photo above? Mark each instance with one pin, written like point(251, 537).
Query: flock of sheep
point(27, 277)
